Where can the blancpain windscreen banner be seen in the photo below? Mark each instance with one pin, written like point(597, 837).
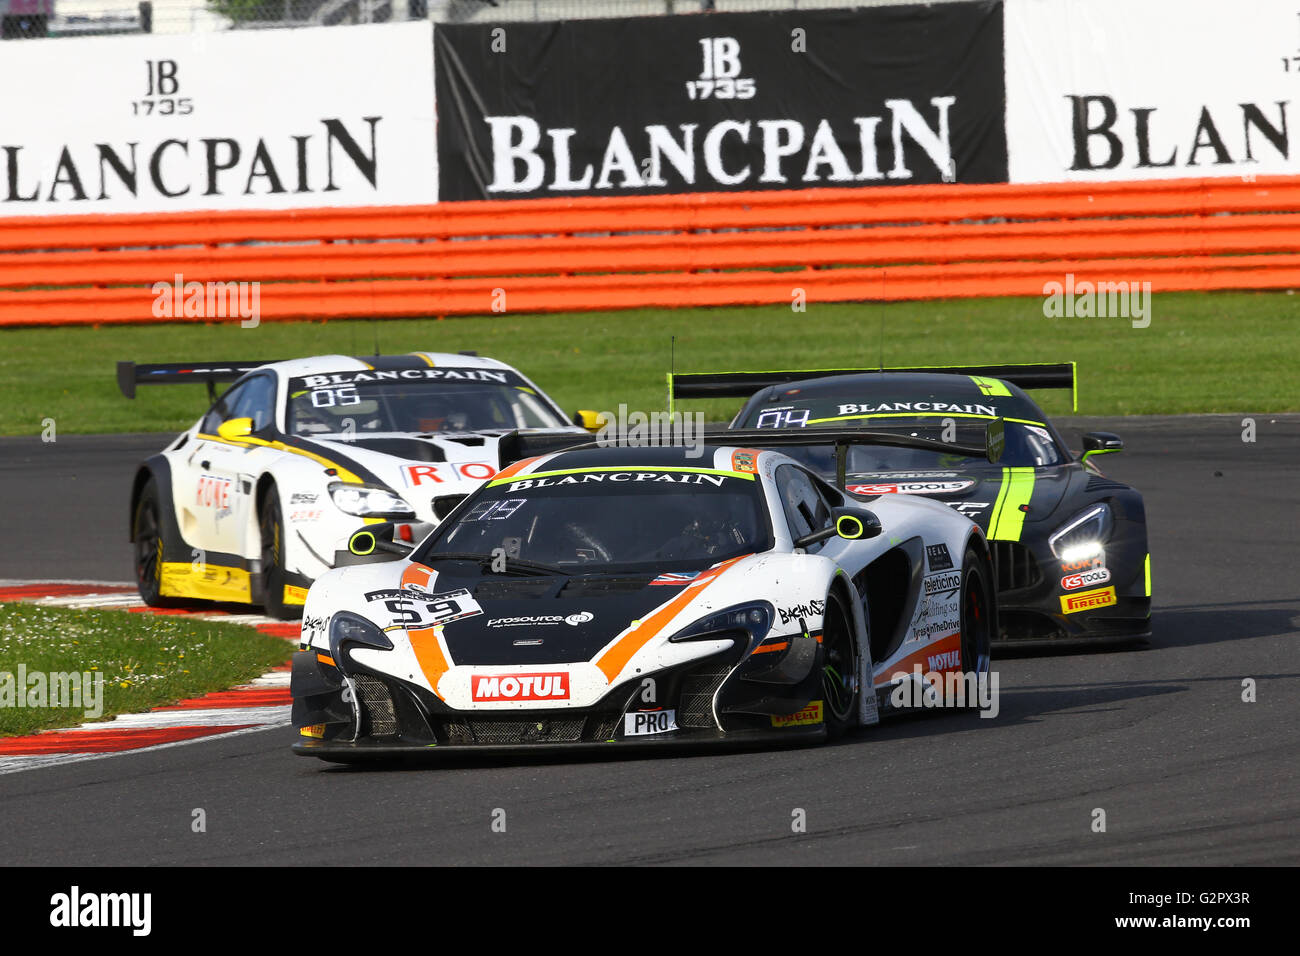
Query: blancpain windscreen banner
point(1152, 89)
point(256, 119)
point(878, 96)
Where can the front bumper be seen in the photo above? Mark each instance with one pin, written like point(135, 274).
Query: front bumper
point(717, 700)
point(683, 741)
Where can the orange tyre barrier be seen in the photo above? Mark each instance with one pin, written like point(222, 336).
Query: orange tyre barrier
point(891, 243)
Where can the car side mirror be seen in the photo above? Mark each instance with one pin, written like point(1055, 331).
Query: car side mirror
point(851, 524)
point(586, 418)
point(233, 429)
point(444, 505)
point(376, 537)
point(1101, 443)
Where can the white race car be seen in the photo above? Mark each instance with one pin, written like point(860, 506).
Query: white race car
point(260, 496)
point(640, 596)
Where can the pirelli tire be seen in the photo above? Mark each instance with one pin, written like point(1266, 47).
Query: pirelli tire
point(978, 616)
point(270, 521)
point(840, 690)
point(147, 536)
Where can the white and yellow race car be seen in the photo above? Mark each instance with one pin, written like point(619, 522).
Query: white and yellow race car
point(259, 497)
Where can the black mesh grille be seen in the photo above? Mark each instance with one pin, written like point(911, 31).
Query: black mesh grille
point(696, 708)
point(377, 706)
point(602, 726)
point(1016, 566)
point(496, 730)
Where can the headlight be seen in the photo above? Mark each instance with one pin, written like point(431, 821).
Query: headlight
point(1083, 535)
point(755, 619)
point(354, 629)
point(369, 501)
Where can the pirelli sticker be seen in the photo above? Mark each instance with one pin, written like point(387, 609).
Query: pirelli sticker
point(1087, 600)
point(812, 714)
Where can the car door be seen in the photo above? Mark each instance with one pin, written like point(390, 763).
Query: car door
point(227, 470)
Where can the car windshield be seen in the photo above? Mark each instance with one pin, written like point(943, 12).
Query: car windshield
point(1028, 446)
point(318, 405)
point(609, 519)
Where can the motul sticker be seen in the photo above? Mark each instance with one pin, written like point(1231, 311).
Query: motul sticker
point(1087, 600)
point(911, 488)
point(1072, 582)
point(646, 722)
point(812, 714)
point(521, 687)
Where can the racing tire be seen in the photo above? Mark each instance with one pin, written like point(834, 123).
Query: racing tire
point(977, 617)
point(840, 690)
point(271, 525)
point(146, 532)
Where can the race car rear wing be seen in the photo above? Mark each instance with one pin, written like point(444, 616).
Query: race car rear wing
point(129, 375)
point(518, 445)
point(745, 384)
point(843, 438)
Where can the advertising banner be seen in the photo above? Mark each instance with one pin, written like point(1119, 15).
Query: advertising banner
point(267, 119)
point(1151, 89)
point(792, 100)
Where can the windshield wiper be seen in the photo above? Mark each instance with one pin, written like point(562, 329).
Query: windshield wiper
point(485, 561)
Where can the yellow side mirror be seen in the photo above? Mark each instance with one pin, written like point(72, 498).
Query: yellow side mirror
point(235, 428)
point(592, 421)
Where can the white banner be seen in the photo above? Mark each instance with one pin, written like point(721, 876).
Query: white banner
point(265, 119)
point(1152, 89)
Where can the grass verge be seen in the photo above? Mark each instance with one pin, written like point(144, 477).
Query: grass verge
point(146, 660)
point(1203, 352)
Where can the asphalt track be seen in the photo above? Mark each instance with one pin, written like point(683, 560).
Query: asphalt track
point(1159, 738)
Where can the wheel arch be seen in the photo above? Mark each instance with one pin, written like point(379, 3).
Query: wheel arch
point(159, 469)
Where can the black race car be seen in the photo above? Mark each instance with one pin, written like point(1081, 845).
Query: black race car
point(1069, 544)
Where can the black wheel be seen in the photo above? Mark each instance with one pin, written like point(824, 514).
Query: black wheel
point(840, 688)
point(146, 530)
point(271, 525)
point(977, 615)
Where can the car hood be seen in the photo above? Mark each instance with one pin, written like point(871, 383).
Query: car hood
point(975, 490)
point(419, 467)
point(449, 625)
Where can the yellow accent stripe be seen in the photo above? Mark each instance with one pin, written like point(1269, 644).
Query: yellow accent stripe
point(420, 355)
point(845, 418)
point(1008, 520)
point(990, 386)
point(213, 583)
point(343, 473)
point(1148, 575)
point(628, 468)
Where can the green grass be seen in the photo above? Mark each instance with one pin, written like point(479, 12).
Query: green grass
point(147, 660)
point(1203, 352)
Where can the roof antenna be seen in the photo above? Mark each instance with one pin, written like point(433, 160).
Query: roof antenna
point(375, 323)
point(882, 342)
point(672, 369)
